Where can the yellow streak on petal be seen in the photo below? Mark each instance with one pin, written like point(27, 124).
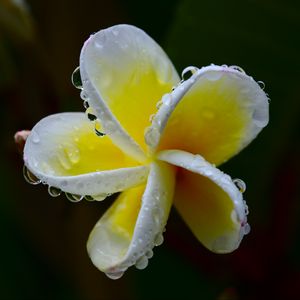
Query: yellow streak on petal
point(204, 206)
point(134, 101)
point(210, 120)
point(123, 214)
point(82, 151)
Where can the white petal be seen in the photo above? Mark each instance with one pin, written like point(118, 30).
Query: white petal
point(44, 157)
point(111, 253)
point(113, 62)
point(253, 100)
point(222, 242)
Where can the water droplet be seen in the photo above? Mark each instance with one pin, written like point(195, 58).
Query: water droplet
point(159, 239)
point(149, 254)
point(156, 216)
point(213, 75)
point(29, 177)
point(74, 197)
point(247, 229)
point(99, 133)
point(261, 84)
point(83, 95)
point(159, 104)
point(151, 118)
point(101, 197)
point(152, 136)
point(89, 198)
point(142, 263)
point(86, 104)
point(188, 72)
point(98, 129)
point(246, 209)
point(240, 184)
point(73, 154)
point(114, 275)
point(91, 117)
point(238, 69)
point(54, 191)
point(167, 99)
point(63, 159)
point(76, 78)
point(35, 137)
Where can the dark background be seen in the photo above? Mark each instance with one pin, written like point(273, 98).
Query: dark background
point(43, 239)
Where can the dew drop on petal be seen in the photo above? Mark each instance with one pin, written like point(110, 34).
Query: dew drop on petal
point(29, 177)
point(149, 254)
point(76, 78)
point(247, 229)
point(89, 198)
point(246, 208)
point(98, 129)
point(91, 117)
point(159, 239)
point(213, 75)
point(64, 160)
point(35, 137)
point(261, 84)
point(54, 191)
point(238, 69)
point(83, 95)
point(240, 184)
point(142, 263)
point(86, 104)
point(188, 72)
point(73, 155)
point(99, 133)
point(114, 275)
point(101, 197)
point(152, 136)
point(151, 118)
point(74, 197)
point(159, 104)
point(167, 99)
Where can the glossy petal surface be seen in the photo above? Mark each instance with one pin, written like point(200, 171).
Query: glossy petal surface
point(133, 223)
point(64, 151)
point(208, 201)
point(130, 73)
point(216, 113)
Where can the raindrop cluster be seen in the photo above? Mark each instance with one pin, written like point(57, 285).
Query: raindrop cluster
point(77, 82)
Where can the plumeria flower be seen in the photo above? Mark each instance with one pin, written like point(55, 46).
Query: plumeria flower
point(156, 139)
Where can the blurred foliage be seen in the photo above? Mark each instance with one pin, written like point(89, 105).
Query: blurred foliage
point(43, 240)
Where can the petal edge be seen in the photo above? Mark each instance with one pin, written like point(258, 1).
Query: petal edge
point(219, 221)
